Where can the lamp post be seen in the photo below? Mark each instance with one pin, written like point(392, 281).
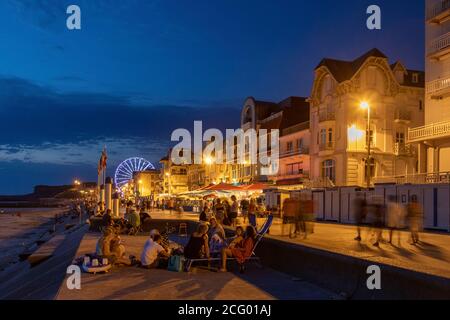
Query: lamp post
point(366, 106)
point(168, 179)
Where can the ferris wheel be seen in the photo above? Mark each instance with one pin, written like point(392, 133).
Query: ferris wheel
point(125, 170)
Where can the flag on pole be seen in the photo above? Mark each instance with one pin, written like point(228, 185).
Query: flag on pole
point(102, 162)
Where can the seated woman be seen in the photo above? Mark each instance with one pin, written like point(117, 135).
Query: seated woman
point(237, 239)
point(217, 235)
point(241, 252)
point(109, 246)
point(197, 247)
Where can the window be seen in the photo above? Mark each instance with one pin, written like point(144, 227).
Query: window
point(294, 168)
point(415, 78)
point(330, 136)
point(323, 136)
point(420, 105)
point(299, 144)
point(328, 170)
point(289, 147)
point(372, 77)
point(400, 137)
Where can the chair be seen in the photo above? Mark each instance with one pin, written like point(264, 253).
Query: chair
point(252, 220)
point(182, 230)
point(259, 236)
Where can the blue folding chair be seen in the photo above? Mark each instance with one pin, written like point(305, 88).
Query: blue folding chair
point(252, 220)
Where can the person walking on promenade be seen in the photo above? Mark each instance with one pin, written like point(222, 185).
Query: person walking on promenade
point(252, 209)
point(360, 210)
point(219, 211)
point(233, 210)
point(378, 210)
point(244, 208)
point(171, 205)
point(395, 219)
point(415, 217)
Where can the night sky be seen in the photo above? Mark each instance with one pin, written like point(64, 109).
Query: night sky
point(139, 69)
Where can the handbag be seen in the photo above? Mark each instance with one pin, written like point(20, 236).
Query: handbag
point(176, 263)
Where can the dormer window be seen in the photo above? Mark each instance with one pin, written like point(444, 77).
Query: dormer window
point(415, 78)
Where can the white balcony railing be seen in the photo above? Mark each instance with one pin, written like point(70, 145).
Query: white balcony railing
point(327, 116)
point(423, 178)
point(402, 115)
point(428, 132)
point(438, 9)
point(401, 149)
point(326, 146)
point(437, 86)
point(438, 44)
point(296, 152)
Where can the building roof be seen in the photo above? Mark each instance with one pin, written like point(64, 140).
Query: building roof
point(344, 70)
point(290, 112)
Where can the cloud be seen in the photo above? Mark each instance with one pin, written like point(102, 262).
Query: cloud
point(42, 128)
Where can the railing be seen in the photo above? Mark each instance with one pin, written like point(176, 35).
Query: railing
point(323, 182)
point(401, 149)
point(435, 130)
point(438, 9)
point(440, 43)
point(326, 146)
point(294, 152)
point(438, 85)
point(424, 178)
point(327, 116)
point(287, 176)
point(402, 115)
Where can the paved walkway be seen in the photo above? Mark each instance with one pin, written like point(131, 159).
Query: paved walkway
point(431, 255)
point(136, 283)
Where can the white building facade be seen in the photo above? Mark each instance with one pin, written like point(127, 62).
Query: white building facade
point(339, 127)
point(433, 138)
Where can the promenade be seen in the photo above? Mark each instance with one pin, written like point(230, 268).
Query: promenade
point(129, 283)
point(430, 256)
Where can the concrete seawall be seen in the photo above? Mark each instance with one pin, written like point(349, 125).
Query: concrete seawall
point(347, 275)
point(337, 272)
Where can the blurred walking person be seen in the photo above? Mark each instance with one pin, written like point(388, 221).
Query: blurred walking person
point(415, 217)
point(378, 210)
point(396, 215)
point(360, 210)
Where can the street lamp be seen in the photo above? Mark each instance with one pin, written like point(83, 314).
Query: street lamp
point(366, 106)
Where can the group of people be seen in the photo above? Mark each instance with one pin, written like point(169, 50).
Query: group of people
point(226, 212)
point(208, 241)
point(394, 216)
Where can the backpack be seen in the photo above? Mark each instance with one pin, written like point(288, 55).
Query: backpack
point(176, 263)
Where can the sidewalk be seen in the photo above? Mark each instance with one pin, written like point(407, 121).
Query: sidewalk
point(133, 283)
point(431, 255)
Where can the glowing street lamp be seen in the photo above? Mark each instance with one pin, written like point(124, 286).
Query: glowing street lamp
point(366, 106)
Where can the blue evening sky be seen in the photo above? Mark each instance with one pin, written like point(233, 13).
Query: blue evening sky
point(139, 69)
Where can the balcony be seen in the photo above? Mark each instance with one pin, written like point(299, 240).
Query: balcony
point(327, 116)
point(438, 88)
point(423, 178)
point(401, 149)
point(402, 116)
point(439, 13)
point(439, 48)
point(290, 153)
point(326, 146)
point(429, 132)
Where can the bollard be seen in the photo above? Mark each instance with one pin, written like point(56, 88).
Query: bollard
point(116, 205)
point(108, 193)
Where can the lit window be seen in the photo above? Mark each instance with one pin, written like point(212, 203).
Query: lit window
point(329, 170)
